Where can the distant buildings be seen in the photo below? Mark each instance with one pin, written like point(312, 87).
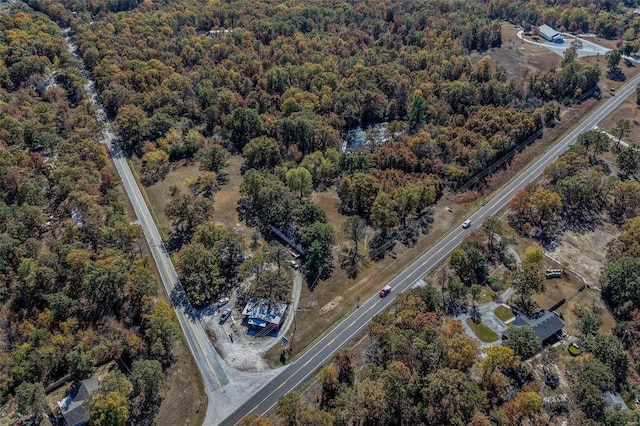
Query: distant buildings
point(264, 314)
point(549, 34)
point(547, 326)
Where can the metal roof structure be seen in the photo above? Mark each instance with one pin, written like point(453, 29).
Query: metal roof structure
point(261, 312)
point(549, 33)
point(612, 398)
point(544, 323)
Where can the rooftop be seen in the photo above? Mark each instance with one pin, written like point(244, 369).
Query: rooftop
point(73, 407)
point(547, 30)
point(544, 323)
point(262, 311)
point(611, 399)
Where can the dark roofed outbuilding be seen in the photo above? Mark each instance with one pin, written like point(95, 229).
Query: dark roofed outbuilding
point(545, 324)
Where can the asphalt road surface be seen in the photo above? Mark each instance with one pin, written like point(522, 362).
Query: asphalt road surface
point(203, 351)
point(318, 354)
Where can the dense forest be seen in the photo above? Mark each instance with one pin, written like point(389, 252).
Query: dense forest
point(76, 288)
point(283, 84)
point(305, 73)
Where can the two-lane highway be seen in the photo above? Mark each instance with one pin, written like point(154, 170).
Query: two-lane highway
point(339, 336)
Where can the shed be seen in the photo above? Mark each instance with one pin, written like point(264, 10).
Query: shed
point(611, 399)
point(549, 34)
point(545, 324)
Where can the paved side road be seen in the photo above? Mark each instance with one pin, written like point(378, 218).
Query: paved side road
point(208, 360)
point(340, 335)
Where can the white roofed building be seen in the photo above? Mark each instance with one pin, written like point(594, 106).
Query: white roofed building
point(549, 34)
point(264, 313)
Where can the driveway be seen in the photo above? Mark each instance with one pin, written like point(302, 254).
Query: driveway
point(486, 311)
point(588, 48)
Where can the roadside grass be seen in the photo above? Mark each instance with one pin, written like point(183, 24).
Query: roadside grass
point(484, 333)
point(184, 398)
point(331, 300)
point(504, 313)
point(157, 195)
point(627, 111)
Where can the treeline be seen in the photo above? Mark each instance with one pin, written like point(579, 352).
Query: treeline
point(606, 19)
point(76, 288)
point(579, 191)
point(276, 72)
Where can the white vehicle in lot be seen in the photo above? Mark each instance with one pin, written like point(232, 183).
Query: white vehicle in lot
point(223, 301)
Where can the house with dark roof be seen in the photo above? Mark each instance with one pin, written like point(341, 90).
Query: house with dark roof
point(546, 324)
point(549, 34)
point(75, 407)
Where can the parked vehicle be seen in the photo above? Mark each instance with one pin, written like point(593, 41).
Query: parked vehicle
point(225, 316)
point(223, 301)
point(385, 291)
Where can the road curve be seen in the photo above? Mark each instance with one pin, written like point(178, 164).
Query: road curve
point(208, 360)
point(340, 335)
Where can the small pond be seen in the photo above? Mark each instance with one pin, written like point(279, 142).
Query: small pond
point(359, 137)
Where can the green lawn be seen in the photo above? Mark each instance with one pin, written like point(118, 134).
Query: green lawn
point(504, 313)
point(483, 332)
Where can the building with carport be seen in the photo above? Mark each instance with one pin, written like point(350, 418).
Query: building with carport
point(264, 315)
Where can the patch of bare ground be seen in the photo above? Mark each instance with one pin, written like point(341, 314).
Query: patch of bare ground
point(226, 199)
point(581, 257)
point(516, 56)
point(584, 253)
point(184, 399)
point(330, 202)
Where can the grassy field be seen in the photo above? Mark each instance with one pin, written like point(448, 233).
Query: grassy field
point(483, 332)
point(627, 111)
point(517, 56)
point(504, 313)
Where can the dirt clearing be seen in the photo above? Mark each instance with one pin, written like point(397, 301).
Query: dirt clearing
point(584, 254)
point(517, 56)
